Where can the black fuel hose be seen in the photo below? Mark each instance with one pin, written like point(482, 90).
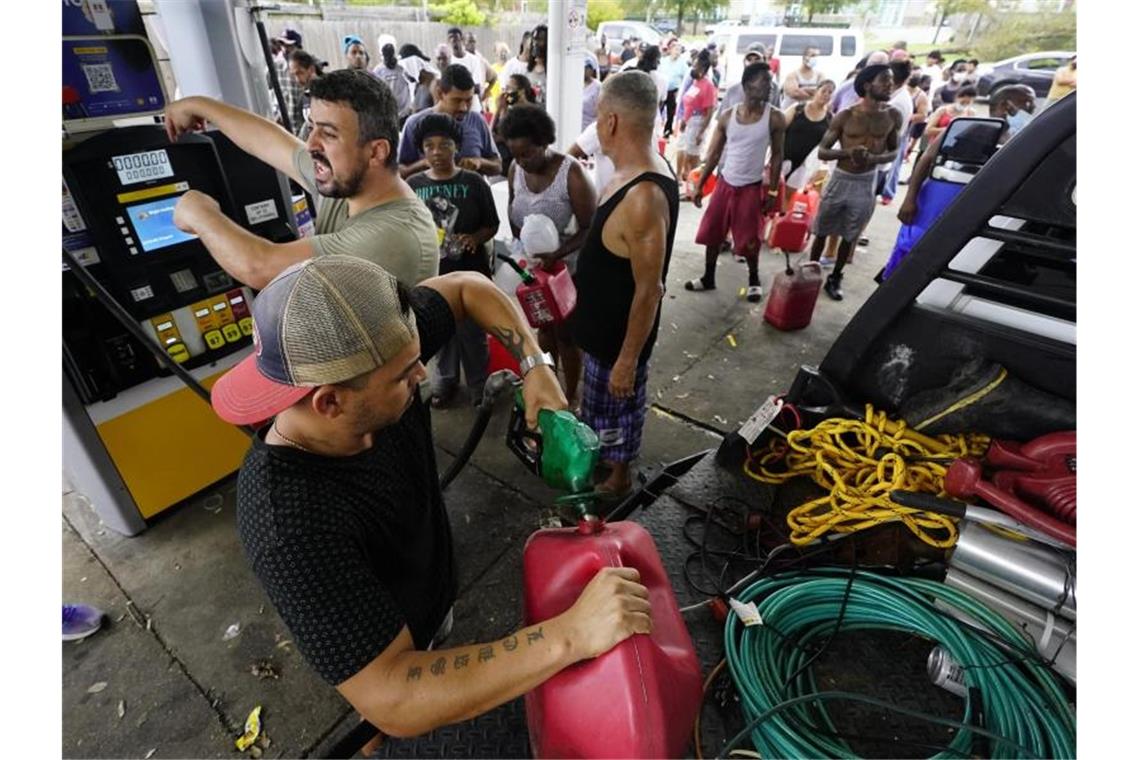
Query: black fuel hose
point(496, 384)
point(124, 317)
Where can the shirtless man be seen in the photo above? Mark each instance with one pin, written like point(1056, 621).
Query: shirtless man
point(868, 135)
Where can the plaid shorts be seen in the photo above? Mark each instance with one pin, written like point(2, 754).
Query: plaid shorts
point(617, 421)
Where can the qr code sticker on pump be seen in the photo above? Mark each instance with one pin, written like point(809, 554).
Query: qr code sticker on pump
point(100, 78)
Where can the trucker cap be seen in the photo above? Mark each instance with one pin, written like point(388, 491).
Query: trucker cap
point(321, 321)
point(290, 37)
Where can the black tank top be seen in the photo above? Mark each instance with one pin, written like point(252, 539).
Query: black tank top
point(605, 281)
point(802, 136)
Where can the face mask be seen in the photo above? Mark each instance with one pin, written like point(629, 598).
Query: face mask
point(811, 63)
point(1017, 121)
point(960, 76)
point(958, 107)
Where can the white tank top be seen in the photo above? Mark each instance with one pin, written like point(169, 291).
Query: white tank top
point(745, 149)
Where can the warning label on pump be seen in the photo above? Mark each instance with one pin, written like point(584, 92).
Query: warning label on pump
point(72, 219)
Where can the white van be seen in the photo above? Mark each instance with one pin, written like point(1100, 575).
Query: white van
point(839, 49)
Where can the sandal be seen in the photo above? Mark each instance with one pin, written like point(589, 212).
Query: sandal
point(754, 293)
point(698, 285)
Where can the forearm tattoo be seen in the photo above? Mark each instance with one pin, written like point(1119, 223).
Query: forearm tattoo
point(484, 654)
point(511, 340)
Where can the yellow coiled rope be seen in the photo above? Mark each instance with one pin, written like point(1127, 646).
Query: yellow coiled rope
point(839, 455)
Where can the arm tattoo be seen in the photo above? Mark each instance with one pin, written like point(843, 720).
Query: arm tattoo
point(511, 643)
point(460, 661)
point(414, 673)
point(439, 666)
point(486, 653)
point(511, 340)
point(533, 636)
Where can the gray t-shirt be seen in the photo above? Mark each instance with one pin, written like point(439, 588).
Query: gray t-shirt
point(399, 235)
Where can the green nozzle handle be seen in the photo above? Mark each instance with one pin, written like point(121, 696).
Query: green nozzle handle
point(526, 276)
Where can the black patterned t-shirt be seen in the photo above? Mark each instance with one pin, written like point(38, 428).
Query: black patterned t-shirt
point(352, 549)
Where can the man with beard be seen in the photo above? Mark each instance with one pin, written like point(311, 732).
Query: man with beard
point(348, 164)
point(868, 135)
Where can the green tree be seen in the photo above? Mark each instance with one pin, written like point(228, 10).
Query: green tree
point(458, 12)
point(948, 8)
point(1021, 33)
point(818, 6)
point(599, 11)
point(694, 9)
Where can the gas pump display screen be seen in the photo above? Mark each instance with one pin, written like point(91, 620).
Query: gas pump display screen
point(154, 224)
point(140, 167)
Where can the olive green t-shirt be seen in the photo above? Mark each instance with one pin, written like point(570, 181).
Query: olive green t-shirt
point(399, 235)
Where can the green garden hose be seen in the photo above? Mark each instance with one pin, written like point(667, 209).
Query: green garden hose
point(1024, 710)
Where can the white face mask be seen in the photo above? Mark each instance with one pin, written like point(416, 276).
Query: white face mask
point(810, 62)
point(960, 76)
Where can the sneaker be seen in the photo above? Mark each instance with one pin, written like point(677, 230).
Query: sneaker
point(832, 288)
point(740, 259)
point(699, 285)
point(80, 621)
point(755, 293)
point(826, 262)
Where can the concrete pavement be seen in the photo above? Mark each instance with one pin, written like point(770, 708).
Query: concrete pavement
point(172, 592)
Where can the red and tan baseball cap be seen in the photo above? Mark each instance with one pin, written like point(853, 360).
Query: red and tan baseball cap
point(322, 321)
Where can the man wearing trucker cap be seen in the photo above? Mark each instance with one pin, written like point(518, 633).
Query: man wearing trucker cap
point(340, 512)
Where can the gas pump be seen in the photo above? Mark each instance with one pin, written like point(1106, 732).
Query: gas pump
point(137, 440)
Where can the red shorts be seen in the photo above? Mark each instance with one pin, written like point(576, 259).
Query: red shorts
point(736, 209)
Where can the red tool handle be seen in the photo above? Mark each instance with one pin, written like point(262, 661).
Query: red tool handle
point(964, 479)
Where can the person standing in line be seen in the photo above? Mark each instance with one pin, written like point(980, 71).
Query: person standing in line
point(422, 74)
point(674, 67)
point(461, 204)
point(536, 64)
point(845, 95)
point(355, 54)
point(348, 164)
point(591, 88)
point(1064, 82)
point(477, 151)
point(483, 74)
point(628, 47)
point(391, 73)
point(517, 90)
point(921, 103)
point(933, 67)
point(621, 274)
point(800, 84)
point(502, 55)
point(544, 181)
point(955, 80)
point(698, 102)
point(900, 101)
point(963, 105)
point(602, 56)
point(744, 135)
point(649, 62)
point(734, 95)
point(292, 91)
point(807, 124)
point(518, 64)
point(868, 136)
point(442, 56)
point(304, 70)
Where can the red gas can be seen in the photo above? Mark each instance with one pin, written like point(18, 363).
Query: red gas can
point(790, 232)
point(549, 298)
point(792, 300)
point(637, 700)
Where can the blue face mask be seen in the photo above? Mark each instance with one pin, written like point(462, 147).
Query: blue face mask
point(1018, 121)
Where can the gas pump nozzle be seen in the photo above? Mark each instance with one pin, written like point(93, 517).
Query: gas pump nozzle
point(563, 452)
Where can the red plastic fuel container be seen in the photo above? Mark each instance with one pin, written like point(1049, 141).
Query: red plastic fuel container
point(792, 299)
point(549, 298)
point(640, 698)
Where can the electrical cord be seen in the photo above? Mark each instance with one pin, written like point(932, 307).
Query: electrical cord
point(859, 463)
point(1023, 708)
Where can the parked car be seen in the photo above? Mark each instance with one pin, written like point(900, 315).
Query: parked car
point(1033, 69)
point(839, 49)
point(616, 30)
